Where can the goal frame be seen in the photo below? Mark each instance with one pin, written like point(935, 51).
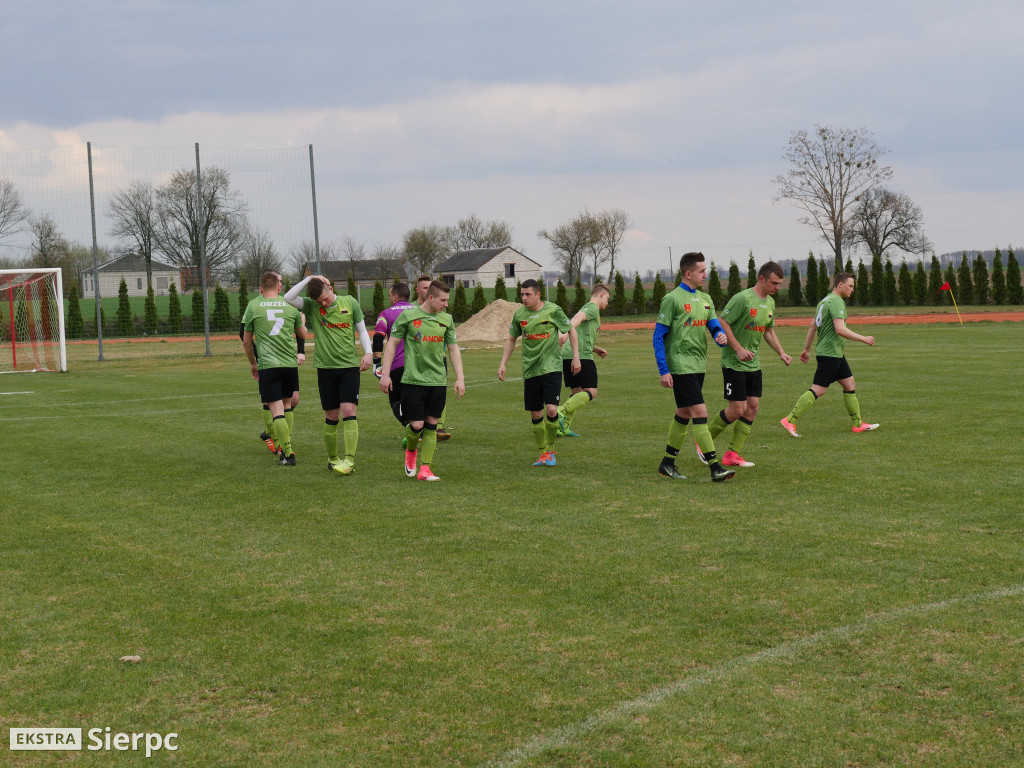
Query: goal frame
point(7, 307)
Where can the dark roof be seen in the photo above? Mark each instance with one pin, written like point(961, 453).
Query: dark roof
point(464, 261)
point(363, 269)
point(132, 262)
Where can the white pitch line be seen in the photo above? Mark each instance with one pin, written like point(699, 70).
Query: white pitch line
point(562, 737)
point(17, 393)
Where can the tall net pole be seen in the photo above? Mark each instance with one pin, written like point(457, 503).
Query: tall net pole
point(316, 226)
point(95, 255)
point(202, 251)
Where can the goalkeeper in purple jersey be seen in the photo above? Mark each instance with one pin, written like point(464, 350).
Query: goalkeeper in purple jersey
point(399, 296)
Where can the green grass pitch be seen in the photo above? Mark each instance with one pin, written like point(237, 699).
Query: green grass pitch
point(853, 600)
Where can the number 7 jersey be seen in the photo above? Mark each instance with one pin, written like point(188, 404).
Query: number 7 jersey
point(273, 323)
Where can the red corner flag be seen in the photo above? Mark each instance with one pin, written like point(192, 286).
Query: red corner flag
point(945, 287)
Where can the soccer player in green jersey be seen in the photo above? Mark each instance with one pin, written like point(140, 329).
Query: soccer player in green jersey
point(270, 324)
point(422, 285)
point(338, 321)
point(748, 318)
point(830, 325)
point(539, 322)
point(426, 331)
point(584, 384)
point(268, 420)
point(681, 352)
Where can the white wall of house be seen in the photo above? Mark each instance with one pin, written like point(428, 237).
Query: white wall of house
point(110, 283)
point(510, 265)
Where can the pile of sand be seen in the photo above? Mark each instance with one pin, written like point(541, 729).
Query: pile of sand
point(489, 325)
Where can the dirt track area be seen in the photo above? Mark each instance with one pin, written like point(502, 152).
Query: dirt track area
point(927, 317)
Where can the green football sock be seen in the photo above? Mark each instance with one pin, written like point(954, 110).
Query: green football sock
point(441, 421)
point(412, 438)
point(539, 433)
point(550, 433)
point(805, 401)
point(331, 439)
point(740, 431)
point(350, 428)
point(290, 418)
point(268, 419)
point(676, 436)
point(705, 442)
point(282, 435)
point(852, 406)
point(574, 403)
point(429, 443)
point(718, 425)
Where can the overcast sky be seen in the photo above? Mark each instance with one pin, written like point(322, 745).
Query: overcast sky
point(530, 112)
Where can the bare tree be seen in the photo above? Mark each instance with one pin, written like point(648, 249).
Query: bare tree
point(133, 213)
point(472, 233)
point(571, 243)
point(389, 259)
point(49, 248)
point(829, 170)
point(425, 247)
point(610, 229)
point(12, 212)
point(305, 253)
point(258, 255)
point(883, 219)
point(225, 225)
point(352, 251)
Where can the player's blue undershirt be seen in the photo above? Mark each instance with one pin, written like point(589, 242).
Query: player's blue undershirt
point(661, 331)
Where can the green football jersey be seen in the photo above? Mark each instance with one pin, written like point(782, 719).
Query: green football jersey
point(272, 323)
point(426, 338)
point(686, 314)
point(334, 331)
point(587, 333)
point(540, 338)
point(830, 343)
point(749, 316)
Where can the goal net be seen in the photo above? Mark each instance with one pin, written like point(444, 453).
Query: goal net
point(31, 320)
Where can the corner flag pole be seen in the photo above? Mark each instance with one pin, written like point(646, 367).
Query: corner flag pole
point(947, 287)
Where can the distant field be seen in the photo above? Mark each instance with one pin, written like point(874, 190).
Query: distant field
point(850, 600)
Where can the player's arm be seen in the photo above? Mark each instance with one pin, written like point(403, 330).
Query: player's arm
point(742, 353)
point(840, 325)
point(773, 342)
point(364, 342)
point(805, 355)
point(385, 369)
point(506, 353)
point(660, 332)
point(717, 333)
point(574, 341)
point(600, 351)
point(249, 353)
point(380, 337)
point(460, 380)
point(292, 296)
point(301, 334)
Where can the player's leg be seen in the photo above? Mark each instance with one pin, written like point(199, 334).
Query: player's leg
point(552, 385)
point(348, 396)
point(682, 393)
point(414, 408)
point(332, 413)
point(533, 402)
point(741, 429)
point(852, 404)
point(435, 403)
point(268, 422)
point(584, 390)
point(824, 375)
